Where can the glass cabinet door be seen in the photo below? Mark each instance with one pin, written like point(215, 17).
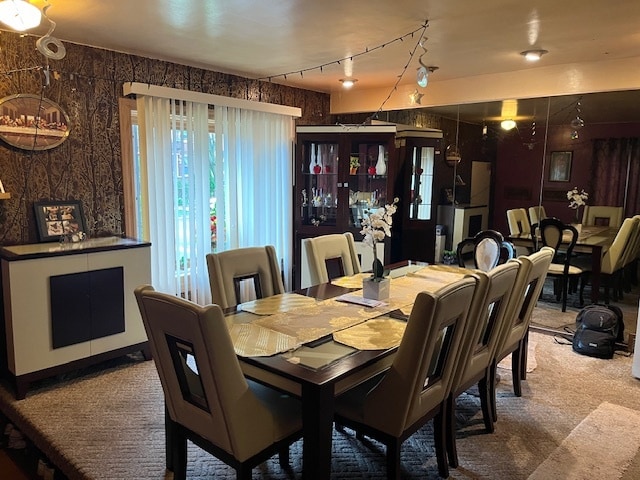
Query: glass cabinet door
point(368, 164)
point(320, 184)
point(422, 162)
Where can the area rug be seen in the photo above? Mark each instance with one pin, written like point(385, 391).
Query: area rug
point(602, 446)
point(108, 423)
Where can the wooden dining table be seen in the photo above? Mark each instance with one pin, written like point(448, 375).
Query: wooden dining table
point(592, 239)
point(314, 366)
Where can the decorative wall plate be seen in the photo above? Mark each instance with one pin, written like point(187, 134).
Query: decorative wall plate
point(32, 122)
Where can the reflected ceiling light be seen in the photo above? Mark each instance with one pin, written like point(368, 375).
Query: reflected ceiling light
point(348, 82)
point(533, 55)
point(423, 74)
point(508, 124)
point(19, 14)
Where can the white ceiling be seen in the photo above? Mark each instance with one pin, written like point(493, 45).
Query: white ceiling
point(266, 39)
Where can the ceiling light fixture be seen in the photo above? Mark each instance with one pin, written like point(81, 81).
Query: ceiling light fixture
point(19, 14)
point(533, 55)
point(508, 124)
point(348, 82)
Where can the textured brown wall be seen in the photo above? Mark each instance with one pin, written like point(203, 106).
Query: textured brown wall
point(88, 166)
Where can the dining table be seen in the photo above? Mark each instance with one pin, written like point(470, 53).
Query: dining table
point(318, 342)
point(593, 240)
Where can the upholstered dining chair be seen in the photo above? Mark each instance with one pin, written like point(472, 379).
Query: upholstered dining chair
point(612, 261)
point(395, 404)
point(230, 268)
point(602, 215)
point(537, 213)
point(487, 248)
point(207, 398)
point(514, 335)
point(331, 256)
point(562, 238)
point(479, 346)
point(518, 221)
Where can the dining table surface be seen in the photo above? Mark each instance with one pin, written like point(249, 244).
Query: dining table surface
point(594, 240)
point(318, 342)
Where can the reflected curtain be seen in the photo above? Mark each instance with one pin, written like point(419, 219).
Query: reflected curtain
point(616, 168)
point(254, 155)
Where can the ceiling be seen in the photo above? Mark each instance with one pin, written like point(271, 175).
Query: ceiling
point(370, 40)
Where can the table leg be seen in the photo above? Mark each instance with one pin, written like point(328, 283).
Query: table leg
point(317, 424)
point(596, 258)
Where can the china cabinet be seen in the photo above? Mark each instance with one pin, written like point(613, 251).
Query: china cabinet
point(342, 172)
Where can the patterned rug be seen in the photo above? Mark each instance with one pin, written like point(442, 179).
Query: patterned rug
point(107, 423)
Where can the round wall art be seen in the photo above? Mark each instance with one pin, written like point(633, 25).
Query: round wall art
point(32, 122)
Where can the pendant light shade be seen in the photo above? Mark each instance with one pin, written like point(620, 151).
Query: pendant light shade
point(19, 14)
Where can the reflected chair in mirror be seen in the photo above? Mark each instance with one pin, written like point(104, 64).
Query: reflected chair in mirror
point(519, 226)
point(514, 336)
point(255, 267)
point(536, 214)
point(612, 263)
point(484, 251)
point(331, 256)
point(562, 239)
point(602, 216)
point(208, 400)
point(477, 352)
point(395, 404)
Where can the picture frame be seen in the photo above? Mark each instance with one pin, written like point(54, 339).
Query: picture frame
point(32, 122)
point(560, 166)
point(60, 218)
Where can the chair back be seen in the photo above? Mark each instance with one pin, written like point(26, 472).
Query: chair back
point(526, 291)
point(554, 234)
point(420, 376)
point(485, 323)
point(229, 269)
point(518, 221)
point(613, 258)
point(536, 213)
point(488, 250)
point(331, 256)
point(205, 390)
point(631, 249)
point(602, 215)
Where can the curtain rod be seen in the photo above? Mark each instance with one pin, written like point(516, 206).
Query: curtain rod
point(208, 98)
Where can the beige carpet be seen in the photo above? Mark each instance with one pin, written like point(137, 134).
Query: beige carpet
point(602, 446)
point(109, 424)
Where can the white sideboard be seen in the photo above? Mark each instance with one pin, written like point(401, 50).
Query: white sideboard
point(29, 273)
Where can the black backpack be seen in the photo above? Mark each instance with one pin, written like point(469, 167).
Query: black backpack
point(598, 328)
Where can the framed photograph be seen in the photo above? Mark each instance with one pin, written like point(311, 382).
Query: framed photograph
point(31, 122)
point(560, 167)
point(58, 218)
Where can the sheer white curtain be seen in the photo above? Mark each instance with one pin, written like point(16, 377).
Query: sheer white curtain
point(174, 169)
point(254, 159)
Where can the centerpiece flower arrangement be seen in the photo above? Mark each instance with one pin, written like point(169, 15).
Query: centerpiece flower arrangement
point(375, 227)
point(577, 198)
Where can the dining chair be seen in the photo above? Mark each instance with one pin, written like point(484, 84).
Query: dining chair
point(331, 256)
point(612, 261)
point(395, 404)
point(518, 221)
point(230, 269)
point(562, 238)
point(207, 398)
point(514, 335)
point(537, 213)
point(630, 257)
point(602, 215)
point(477, 352)
point(487, 248)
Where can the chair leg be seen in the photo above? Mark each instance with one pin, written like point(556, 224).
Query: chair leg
point(524, 354)
point(179, 454)
point(439, 438)
point(485, 403)
point(393, 460)
point(516, 370)
point(450, 427)
point(492, 395)
point(564, 293)
point(283, 457)
point(243, 472)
